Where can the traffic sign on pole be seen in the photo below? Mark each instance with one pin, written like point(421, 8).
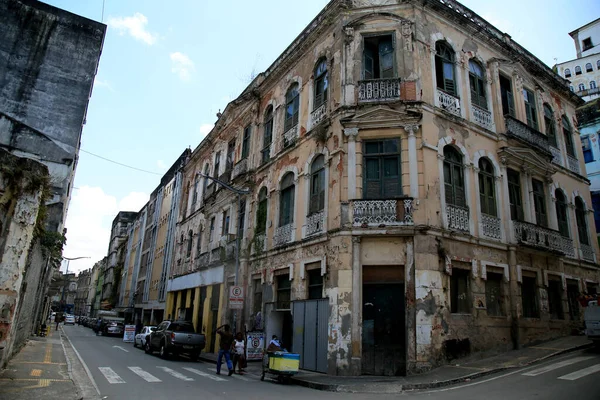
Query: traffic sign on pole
point(236, 297)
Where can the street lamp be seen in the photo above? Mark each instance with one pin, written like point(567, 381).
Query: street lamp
point(69, 259)
point(240, 193)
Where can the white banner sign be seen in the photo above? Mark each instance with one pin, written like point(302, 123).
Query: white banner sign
point(255, 345)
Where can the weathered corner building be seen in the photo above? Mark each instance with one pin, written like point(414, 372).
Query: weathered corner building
point(417, 193)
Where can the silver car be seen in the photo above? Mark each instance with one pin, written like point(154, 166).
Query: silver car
point(140, 338)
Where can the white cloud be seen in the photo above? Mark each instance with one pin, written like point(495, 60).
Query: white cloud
point(182, 66)
point(205, 129)
point(135, 26)
point(102, 83)
point(89, 221)
point(161, 165)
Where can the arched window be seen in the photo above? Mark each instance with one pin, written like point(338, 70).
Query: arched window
point(577, 70)
point(454, 181)
point(487, 188)
point(588, 67)
point(580, 212)
point(189, 243)
point(292, 104)
point(549, 124)
point(477, 83)
point(568, 136)
point(267, 135)
point(286, 200)
point(444, 67)
point(199, 243)
point(561, 213)
point(581, 87)
point(261, 212)
point(598, 64)
point(592, 84)
point(317, 185)
point(567, 73)
point(206, 174)
point(321, 84)
point(195, 194)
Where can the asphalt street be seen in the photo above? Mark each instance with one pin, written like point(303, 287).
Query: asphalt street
point(122, 372)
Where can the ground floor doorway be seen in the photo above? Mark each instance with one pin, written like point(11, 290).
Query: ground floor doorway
point(383, 327)
point(310, 333)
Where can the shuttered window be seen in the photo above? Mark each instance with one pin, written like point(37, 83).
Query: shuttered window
point(508, 103)
point(444, 67)
point(286, 200)
point(189, 244)
point(284, 292)
point(477, 83)
point(267, 136)
point(568, 135)
point(382, 177)
point(292, 105)
point(580, 212)
point(514, 195)
point(321, 84)
point(378, 57)
point(261, 213)
point(539, 203)
point(317, 185)
point(550, 125)
point(246, 141)
point(454, 181)
point(561, 213)
point(530, 108)
point(487, 188)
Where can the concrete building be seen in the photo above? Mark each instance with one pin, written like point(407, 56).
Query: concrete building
point(115, 258)
point(84, 282)
point(588, 118)
point(100, 267)
point(418, 194)
point(584, 71)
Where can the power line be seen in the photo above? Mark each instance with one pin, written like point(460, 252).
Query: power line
point(118, 163)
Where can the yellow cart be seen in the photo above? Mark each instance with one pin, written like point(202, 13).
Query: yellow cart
point(282, 365)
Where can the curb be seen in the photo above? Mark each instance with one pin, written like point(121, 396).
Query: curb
point(328, 387)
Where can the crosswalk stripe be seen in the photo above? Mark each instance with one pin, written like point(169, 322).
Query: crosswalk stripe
point(176, 374)
point(204, 374)
point(110, 375)
point(235, 376)
point(581, 373)
point(554, 366)
point(147, 376)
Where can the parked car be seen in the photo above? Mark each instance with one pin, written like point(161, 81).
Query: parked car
point(113, 328)
point(69, 319)
point(140, 338)
point(174, 338)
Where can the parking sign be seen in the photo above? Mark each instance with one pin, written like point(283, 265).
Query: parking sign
point(236, 297)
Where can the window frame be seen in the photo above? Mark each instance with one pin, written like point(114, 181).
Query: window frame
point(477, 84)
point(550, 125)
point(586, 147)
point(530, 283)
point(515, 195)
point(188, 251)
point(581, 87)
point(246, 141)
point(211, 233)
point(567, 73)
point(292, 104)
point(562, 213)
point(375, 60)
point(317, 287)
point(554, 291)
point(568, 135)
point(262, 211)
point(444, 62)
point(267, 135)
point(590, 69)
point(458, 305)
point(507, 95)
point(454, 177)
point(487, 187)
point(538, 190)
point(317, 185)
point(495, 278)
point(217, 164)
point(586, 44)
point(578, 70)
point(287, 193)
point(287, 289)
point(226, 220)
point(381, 156)
point(195, 194)
point(581, 218)
point(530, 109)
point(321, 84)
point(593, 85)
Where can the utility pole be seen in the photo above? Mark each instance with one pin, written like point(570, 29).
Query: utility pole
point(240, 193)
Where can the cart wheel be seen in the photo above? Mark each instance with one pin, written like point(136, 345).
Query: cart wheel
point(262, 377)
point(287, 380)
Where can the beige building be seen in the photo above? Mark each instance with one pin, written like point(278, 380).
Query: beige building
point(417, 194)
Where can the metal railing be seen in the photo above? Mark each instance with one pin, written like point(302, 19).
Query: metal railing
point(539, 236)
point(318, 114)
point(482, 117)
point(573, 164)
point(374, 90)
point(314, 223)
point(240, 168)
point(519, 130)
point(382, 212)
point(491, 226)
point(283, 234)
point(457, 217)
point(448, 102)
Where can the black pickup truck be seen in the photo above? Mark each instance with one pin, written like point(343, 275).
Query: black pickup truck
point(174, 338)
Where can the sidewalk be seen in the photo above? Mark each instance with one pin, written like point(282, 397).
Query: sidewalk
point(459, 371)
point(253, 368)
point(46, 368)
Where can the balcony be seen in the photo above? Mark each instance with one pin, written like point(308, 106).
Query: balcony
point(457, 217)
point(587, 252)
point(284, 234)
point(491, 226)
point(203, 260)
point(448, 102)
point(290, 136)
point(318, 115)
point(538, 236)
point(259, 244)
point(209, 190)
point(523, 132)
point(482, 117)
point(556, 156)
point(240, 168)
point(225, 177)
point(396, 212)
point(378, 90)
point(573, 164)
point(314, 223)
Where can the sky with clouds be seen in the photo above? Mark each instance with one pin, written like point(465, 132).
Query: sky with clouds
point(168, 67)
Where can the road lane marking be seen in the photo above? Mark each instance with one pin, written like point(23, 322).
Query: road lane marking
point(204, 374)
point(235, 376)
point(36, 372)
point(85, 367)
point(147, 376)
point(110, 375)
point(119, 347)
point(581, 373)
point(554, 366)
point(176, 374)
point(48, 356)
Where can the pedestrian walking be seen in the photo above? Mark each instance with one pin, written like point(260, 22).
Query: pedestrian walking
point(57, 322)
point(224, 332)
point(239, 352)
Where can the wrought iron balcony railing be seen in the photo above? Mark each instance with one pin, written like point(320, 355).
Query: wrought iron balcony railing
point(382, 212)
point(447, 102)
point(240, 168)
point(482, 117)
point(573, 164)
point(491, 226)
point(375, 90)
point(314, 223)
point(284, 234)
point(538, 236)
point(318, 114)
point(519, 130)
point(458, 217)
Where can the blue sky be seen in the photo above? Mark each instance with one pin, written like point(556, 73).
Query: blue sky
point(168, 67)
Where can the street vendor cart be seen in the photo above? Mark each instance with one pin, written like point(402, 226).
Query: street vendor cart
point(281, 364)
